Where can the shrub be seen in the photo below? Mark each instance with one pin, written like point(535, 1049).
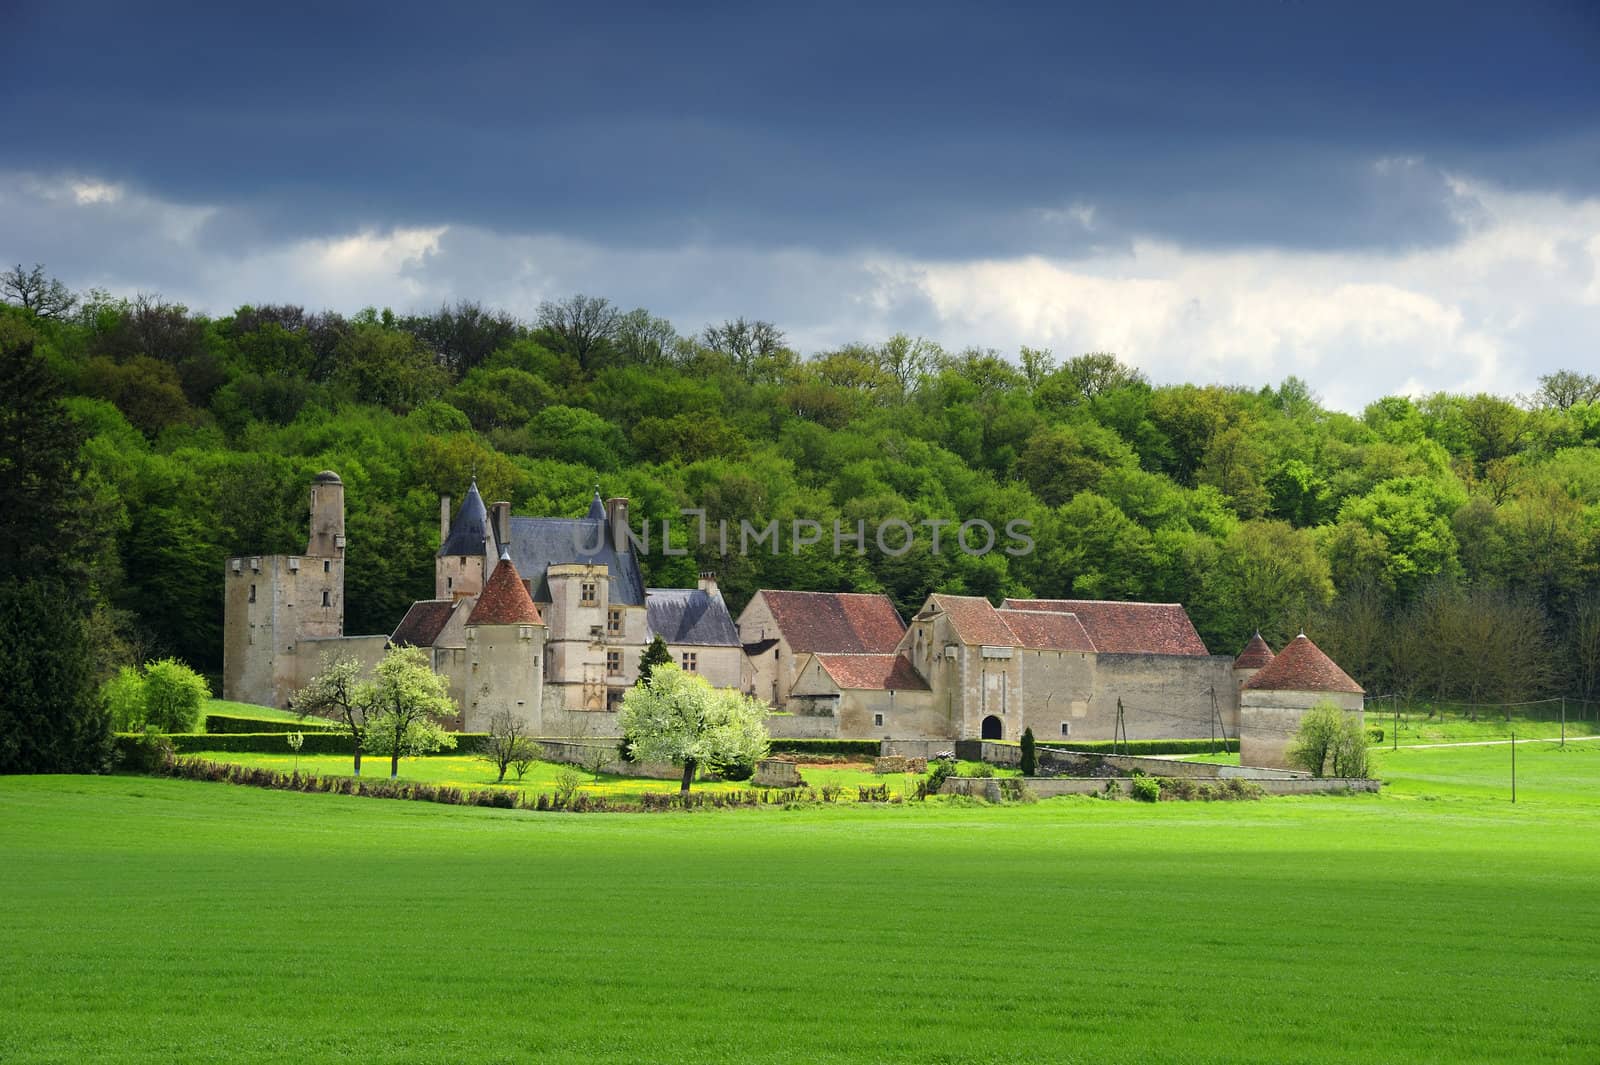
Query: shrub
point(1146, 789)
point(220, 725)
point(1329, 737)
point(1030, 761)
point(568, 781)
point(939, 771)
point(123, 695)
point(173, 696)
point(977, 769)
point(145, 752)
point(1146, 746)
point(1374, 736)
point(872, 793)
point(863, 748)
point(734, 770)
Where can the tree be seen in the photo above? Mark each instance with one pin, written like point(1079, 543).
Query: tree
point(680, 718)
point(1317, 738)
point(51, 718)
point(338, 692)
point(1030, 761)
point(748, 345)
point(508, 744)
point(1564, 388)
point(656, 654)
point(174, 695)
point(410, 702)
point(33, 291)
point(585, 326)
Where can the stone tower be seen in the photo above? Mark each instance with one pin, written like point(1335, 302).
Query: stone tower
point(273, 603)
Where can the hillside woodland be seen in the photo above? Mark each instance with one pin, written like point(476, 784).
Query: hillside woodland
point(1443, 545)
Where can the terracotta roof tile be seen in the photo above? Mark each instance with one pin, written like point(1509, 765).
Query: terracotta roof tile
point(423, 622)
point(1043, 630)
point(1302, 667)
point(836, 622)
point(1127, 628)
point(505, 599)
point(976, 620)
point(873, 671)
point(1256, 654)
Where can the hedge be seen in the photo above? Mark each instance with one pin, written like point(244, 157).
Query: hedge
point(1145, 746)
point(278, 743)
point(218, 724)
point(866, 748)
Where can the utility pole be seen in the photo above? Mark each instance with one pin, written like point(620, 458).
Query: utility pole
point(1563, 721)
point(1119, 735)
point(1394, 701)
point(1513, 769)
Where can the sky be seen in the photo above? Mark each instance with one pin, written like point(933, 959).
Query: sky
point(1384, 197)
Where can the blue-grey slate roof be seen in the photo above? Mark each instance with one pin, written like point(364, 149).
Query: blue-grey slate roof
point(470, 530)
point(538, 543)
point(689, 616)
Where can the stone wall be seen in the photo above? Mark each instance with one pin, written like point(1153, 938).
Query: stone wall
point(1269, 720)
point(1044, 788)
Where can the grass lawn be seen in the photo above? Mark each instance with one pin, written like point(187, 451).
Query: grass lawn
point(1453, 726)
point(153, 920)
point(228, 708)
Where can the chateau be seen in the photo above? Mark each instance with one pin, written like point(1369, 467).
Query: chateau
point(548, 617)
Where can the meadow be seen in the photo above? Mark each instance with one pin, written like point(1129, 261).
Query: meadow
point(159, 920)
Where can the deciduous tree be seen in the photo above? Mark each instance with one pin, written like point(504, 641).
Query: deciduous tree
point(680, 718)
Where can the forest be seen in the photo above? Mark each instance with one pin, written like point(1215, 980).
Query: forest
point(1441, 546)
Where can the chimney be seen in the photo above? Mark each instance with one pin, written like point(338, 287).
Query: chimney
point(708, 583)
point(501, 513)
point(617, 521)
point(444, 519)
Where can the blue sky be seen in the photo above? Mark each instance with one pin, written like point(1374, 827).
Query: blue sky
point(1379, 197)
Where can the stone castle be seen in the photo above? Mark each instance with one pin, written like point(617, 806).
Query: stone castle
point(547, 618)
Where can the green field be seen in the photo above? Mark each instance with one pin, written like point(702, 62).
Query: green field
point(153, 920)
point(228, 708)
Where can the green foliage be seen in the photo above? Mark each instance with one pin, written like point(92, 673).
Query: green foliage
point(173, 696)
point(221, 724)
point(1030, 760)
point(123, 695)
point(52, 720)
point(1146, 789)
point(656, 653)
point(1330, 741)
point(1144, 747)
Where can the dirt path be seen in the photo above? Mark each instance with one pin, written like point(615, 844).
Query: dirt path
point(1485, 743)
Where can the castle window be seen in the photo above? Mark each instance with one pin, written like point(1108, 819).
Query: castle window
point(614, 663)
point(614, 699)
point(877, 719)
point(252, 593)
point(449, 583)
point(614, 621)
point(588, 593)
point(1066, 728)
point(325, 597)
point(327, 567)
point(689, 662)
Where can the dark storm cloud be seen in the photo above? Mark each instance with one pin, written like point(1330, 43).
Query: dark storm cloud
point(930, 130)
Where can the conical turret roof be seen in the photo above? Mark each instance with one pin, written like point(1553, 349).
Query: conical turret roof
point(1256, 654)
point(470, 531)
point(1302, 667)
point(597, 509)
point(505, 600)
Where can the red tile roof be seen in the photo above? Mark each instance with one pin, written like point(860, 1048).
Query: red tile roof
point(976, 620)
point(1127, 628)
point(1302, 667)
point(505, 599)
point(1043, 630)
point(836, 622)
point(423, 622)
point(1256, 654)
point(873, 671)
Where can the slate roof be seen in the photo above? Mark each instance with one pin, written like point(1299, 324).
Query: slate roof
point(538, 543)
point(689, 616)
point(836, 622)
point(423, 622)
point(504, 600)
point(469, 532)
point(976, 620)
point(1256, 654)
point(1127, 628)
point(1302, 667)
point(1044, 630)
point(877, 672)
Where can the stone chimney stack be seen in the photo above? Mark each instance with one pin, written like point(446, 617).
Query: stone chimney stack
point(444, 519)
point(501, 513)
point(708, 583)
point(617, 521)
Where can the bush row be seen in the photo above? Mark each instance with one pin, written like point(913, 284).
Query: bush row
point(1145, 746)
point(277, 742)
point(217, 724)
point(866, 748)
point(502, 798)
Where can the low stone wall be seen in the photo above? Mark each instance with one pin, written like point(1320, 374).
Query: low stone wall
point(574, 752)
point(1048, 787)
point(1053, 761)
point(777, 773)
point(928, 749)
point(802, 727)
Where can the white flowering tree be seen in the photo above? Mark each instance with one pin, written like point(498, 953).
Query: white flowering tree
point(680, 718)
point(409, 705)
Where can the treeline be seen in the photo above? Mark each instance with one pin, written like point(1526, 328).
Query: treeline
point(1443, 546)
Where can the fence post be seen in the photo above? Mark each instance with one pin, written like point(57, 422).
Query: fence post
point(1563, 721)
